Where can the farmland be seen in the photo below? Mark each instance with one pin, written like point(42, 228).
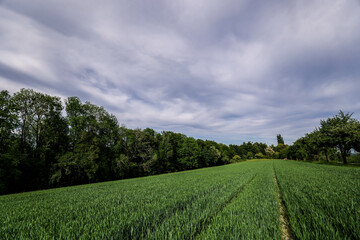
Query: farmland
point(237, 201)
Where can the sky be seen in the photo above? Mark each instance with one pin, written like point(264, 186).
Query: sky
point(223, 70)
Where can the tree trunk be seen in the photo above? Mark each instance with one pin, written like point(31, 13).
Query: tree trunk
point(343, 154)
point(23, 135)
point(344, 158)
point(326, 155)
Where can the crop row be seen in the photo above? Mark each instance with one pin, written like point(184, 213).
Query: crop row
point(238, 201)
point(166, 206)
point(323, 202)
point(254, 214)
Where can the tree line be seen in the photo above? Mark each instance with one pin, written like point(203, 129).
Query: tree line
point(47, 143)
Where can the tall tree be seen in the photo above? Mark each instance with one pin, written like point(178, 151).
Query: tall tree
point(9, 159)
point(188, 152)
point(321, 142)
point(280, 139)
point(340, 131)
point(8, 119)
point(23, 103)
point(36, 113)
point(93, 136)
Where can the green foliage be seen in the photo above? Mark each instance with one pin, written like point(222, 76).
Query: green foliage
point(280, 139)
point(354, 158)
point(332, 141)
point(123, 167)
point(8, 120)
point(236, 159)
point(341, 131)
point(249, 155)
point(259, 155)
point(9, 158)
point(189, 152)
point(270, 153)
point(41, 148)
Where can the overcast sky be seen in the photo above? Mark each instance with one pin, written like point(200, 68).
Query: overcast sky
point(225, 70)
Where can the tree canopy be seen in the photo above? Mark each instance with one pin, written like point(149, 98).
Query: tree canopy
point(334, 139)
point(45, 143)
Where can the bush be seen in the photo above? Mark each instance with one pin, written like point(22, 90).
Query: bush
point(259, 155)
point(236, 159)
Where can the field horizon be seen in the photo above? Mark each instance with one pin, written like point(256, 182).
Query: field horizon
point(339, 164)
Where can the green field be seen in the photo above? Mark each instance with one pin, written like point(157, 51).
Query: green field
point(237, 201)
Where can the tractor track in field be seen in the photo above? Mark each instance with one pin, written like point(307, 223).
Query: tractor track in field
point(161, 215)
point(287, 233)
point(203, 224)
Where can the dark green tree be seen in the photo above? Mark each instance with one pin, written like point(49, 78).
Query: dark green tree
point(280, 139)
point(188, 154)
point(340, 131)
point(93, 135)
point(9, 156)
point(39, 115)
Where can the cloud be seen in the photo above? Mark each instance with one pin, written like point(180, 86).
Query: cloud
point(229, 70)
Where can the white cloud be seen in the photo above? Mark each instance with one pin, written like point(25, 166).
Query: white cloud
point(223, 69)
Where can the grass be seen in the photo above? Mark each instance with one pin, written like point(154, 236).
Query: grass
point(237, 201)
point(323, 202)
point(253, 214)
